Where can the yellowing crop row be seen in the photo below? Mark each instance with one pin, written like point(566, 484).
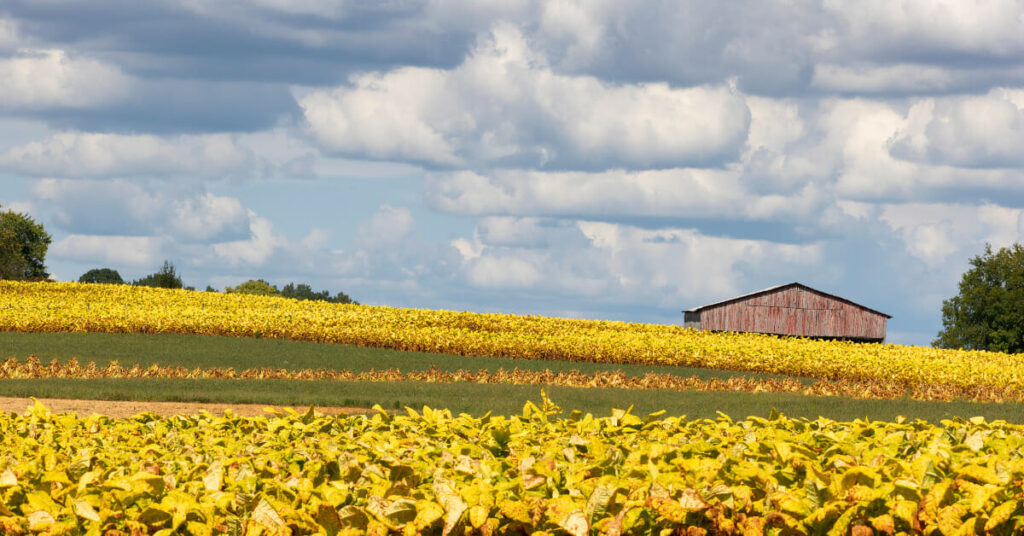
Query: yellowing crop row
point(56, 307)
point(435, 474)
point(32, 368)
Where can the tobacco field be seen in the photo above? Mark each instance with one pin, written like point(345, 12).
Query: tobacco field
point(930, 372)
point(541, 472)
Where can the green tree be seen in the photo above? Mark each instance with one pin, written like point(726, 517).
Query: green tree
point(257, 287)
point(23, 245)
point(12, 263)
point(303, 291)
point(988, 313)
point(102, 275)
point(165, 278)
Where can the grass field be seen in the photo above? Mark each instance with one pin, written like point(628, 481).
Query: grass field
point(477, 399)
point(208, 351)
point(216, 351)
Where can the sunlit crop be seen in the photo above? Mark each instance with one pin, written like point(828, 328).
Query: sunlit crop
point(32, 368)
point(107, 308)
point(428, 472)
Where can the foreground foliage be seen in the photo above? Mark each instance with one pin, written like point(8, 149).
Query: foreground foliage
point(431, 473)
point(112, 308)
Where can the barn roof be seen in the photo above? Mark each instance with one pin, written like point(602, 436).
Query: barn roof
point(783, 287)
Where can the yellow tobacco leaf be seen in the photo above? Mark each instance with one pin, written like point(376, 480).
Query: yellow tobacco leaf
point(214, 478)
point(267, 516)
point(1000, 514)
point(40, 520)
point(477, 516)
point(85, 510)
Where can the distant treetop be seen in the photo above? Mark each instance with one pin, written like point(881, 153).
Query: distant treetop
point(102, 275)
point(165, 278)
point(257, 287)
point(303, 291)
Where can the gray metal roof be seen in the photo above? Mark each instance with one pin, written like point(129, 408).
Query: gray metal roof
point(782, 287)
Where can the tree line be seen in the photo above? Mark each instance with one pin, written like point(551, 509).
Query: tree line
point(24, 243)
point(167, 277)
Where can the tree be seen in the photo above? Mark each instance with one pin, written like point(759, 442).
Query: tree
point(257, 287)
point(23, 245)
point(102, 275)
point(303, 291)
point(988, 313)
point(165, 278)
point(12, 263)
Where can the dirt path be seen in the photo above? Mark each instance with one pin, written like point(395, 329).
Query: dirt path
point(125, 408)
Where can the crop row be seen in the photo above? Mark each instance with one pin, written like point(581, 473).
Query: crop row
point(429, 472)
point(32, 368)
point(107, 308)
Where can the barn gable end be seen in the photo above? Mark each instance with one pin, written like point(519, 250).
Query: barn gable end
point(792, 309)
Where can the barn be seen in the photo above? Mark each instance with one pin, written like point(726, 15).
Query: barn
point(793, 309)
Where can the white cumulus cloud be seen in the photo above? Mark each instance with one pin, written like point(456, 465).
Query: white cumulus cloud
point(624, 263)
point(122, 207)
point(938, 232)
point(114, 251)
point(89, 154)
point(42, 79)
point(504, 104)
point(985, 131)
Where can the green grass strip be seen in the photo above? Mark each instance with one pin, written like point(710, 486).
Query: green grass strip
point(477, 399)
point(205, 351)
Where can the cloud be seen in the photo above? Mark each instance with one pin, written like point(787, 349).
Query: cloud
point(88, 154)
point(877, 152)
point(984, 131)
point(387, 226)
point(264, 41)
point(9, 37)
point(114, 251)
point(934, 232)
point(209, 218)
point(504, 105)
point(868, 78)
point(121, 207)
point(665, 267)
point(46, 79)
point(257, 249)
point(503, 271)
point(616, 194)
point(926, 29)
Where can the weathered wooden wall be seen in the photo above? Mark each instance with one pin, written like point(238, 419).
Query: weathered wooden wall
point(795, 311)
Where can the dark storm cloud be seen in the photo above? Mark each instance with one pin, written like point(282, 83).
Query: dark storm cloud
point(689, 43)
point(778, 48)
point(182, 106)
point(164, 39)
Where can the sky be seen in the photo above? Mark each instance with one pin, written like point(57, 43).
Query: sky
point(600, 159)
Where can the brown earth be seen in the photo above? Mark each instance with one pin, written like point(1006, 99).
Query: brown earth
point(128, 408)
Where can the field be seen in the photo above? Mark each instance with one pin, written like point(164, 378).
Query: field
point(876, 439)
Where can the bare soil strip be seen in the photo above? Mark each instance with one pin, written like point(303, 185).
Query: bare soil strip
point(128, 408)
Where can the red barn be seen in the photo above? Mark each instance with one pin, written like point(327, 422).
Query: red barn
point(792, 309)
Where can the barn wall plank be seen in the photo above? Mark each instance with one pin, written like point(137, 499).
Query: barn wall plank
point(795, 311)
